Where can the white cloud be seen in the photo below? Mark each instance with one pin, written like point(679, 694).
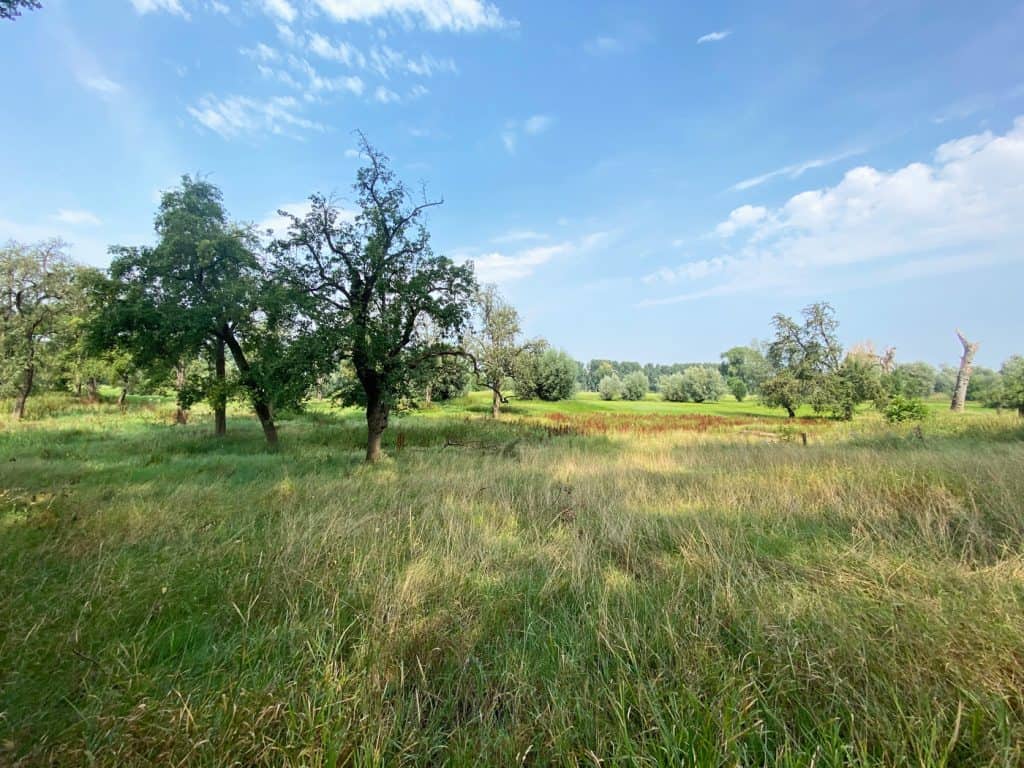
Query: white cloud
point(235, 116)
point(262, 52)
point(714, 37)
point(77, 217)
point(385, 95)
point(531, 126)
point(353, 153)
point(382, 59)
point(218, 7)
point(962, 211)
point(342, 52)
point(456, 15)
point(796, 170)
point(741, 218)
point(281, 10)
point(102, 85)
point(498, 267)
point(170, 6)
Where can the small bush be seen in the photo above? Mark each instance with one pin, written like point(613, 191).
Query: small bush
point(902, 408)
point(738, 388)
point(672, 388)
point(610, 387)
point(635, 386)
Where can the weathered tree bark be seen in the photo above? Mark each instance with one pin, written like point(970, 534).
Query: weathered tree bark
point(963, 377)
point(260, 402)
point(495, 403)
point(376, 423)
point(180, 415)
point(220, 417)
point(123, 397)
point(93, 390)
point(28, 377)
point(427, 394)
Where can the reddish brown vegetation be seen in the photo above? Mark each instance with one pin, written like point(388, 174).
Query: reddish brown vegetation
point(643, 424)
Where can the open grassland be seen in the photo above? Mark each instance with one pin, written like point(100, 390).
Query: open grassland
point(581, 583)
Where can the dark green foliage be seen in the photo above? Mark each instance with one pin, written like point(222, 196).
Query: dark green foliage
point(738, 388)
point(945, 380)
point(747, 364)
point(902, 408)
point(1010, 393)
point(548, 374)
point(839, 392)
point(372, 283)
point(984, 385)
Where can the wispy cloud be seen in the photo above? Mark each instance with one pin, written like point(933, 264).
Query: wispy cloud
point(796, 170)
point(518, 236)
point(151, 6)
point(101, 84)
point(382, 59)
point(962, 210)
point(385, 95)
point(531, 126)
point(77, 217)
point(604, 45)
point(714, 37)
point(453, 15)
point(282, 10)
point(500, 267)
point(237, 116)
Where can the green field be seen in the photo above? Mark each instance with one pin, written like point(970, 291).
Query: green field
point(579, 583)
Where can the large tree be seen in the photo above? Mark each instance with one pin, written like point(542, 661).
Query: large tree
point(371, 281)
point(35, 282)
point(199, 293)
point(801, 354)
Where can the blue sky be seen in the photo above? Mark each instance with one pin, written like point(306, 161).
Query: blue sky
point(644, 180)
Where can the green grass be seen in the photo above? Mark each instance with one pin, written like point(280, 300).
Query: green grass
point(698, 596)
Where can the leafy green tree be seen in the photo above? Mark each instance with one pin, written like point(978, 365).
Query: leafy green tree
point(901, 408)
point(201, 293)
point(547, 374)
point(703, 384)
point(494, 344)
point(984, 385)
point(738, 388)
point(945, 380)
point(447, 378)
point(784, 390)
point(635, 386)
point(610, 387)
point(35, 284)
point(1011, 393)
point(12, 9)
point(914, 380)
point(747, 364)
point(839, 392)
point(672, 388)
point(372, 281)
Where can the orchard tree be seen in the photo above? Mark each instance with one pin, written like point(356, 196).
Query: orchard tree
point(371, 282)
point(201, 293)
point(35, 284)
point(494, 343)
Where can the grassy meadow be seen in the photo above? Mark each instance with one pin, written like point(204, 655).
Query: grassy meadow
point(579, 583)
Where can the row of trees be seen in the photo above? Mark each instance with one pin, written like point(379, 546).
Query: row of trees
point(361, 308)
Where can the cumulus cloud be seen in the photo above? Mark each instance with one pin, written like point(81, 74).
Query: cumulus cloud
point(741, 218)
point(454, 15)
point(714, 37)
point(962, 210)
point(237, 116)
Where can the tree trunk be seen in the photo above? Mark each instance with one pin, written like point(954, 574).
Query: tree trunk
point(93, 389)
point(220, 415)
point(495, 403)
point(426, 395)
point(376, 423)
point(791, 411)
point(180, 415)
point(260, 401)
point(29, 375)
point(963, 377)
point(123, 397)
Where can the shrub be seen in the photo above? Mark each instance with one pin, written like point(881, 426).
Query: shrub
point(703, 384)
point(738, 388)
point(610, 387)
point(635, 386)
point(556, 374)
point(671, 388)
point(902, 408)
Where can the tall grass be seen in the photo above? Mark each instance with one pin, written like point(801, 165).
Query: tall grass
point(496, 595)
